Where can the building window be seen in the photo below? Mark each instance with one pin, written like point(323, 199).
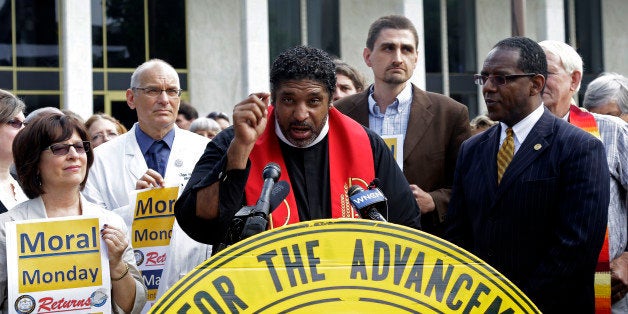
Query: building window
point(587, 29)
point(318, 28)
point(29, 51)
point(125, 34)
point(461, 51)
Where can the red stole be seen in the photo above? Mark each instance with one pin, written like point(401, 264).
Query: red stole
point(350, 162)
point(602, 287)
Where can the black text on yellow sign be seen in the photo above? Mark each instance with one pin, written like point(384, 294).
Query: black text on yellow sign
point(340, 265)
point(153, 217)
point(58, 255)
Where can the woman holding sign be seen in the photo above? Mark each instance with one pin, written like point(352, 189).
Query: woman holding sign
point(52, 157)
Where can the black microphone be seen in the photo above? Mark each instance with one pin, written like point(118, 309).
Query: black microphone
point(257, 221)
point(368, 202)
point(234, 231)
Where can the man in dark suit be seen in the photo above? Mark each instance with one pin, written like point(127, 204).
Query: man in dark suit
point(428, 127)
point(541, 221)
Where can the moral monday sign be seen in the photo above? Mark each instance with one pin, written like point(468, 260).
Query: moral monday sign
point(341, 265)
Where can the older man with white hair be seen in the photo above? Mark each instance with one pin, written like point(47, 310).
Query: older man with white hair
point(564, 66)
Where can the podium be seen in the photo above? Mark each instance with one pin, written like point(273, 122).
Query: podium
point(344, 266)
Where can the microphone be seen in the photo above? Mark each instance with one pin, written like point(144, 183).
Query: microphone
point(368, 201)
point(258, 217)
point(240, 219)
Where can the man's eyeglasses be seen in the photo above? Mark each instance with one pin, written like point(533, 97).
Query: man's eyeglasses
point(498, 80)
point(63, 149)
point(16, 123)
point(154, 92)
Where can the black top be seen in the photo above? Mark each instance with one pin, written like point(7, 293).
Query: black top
point(310, 186)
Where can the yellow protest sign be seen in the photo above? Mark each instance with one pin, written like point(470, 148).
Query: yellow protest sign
point(341, 265)
point(59, 265)
point(50, 257)
point(151, 230)
point(153, 217)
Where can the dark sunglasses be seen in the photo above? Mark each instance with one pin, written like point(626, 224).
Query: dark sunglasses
point(63, 149)
point(16, 123)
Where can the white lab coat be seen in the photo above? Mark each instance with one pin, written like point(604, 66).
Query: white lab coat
point(119, 164)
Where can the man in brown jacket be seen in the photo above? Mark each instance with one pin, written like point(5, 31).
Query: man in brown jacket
point(426, 128)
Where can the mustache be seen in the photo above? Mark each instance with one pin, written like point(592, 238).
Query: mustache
point(396, 67)
point(300, 124)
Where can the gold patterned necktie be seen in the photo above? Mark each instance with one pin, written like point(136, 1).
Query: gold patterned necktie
point(504, 156)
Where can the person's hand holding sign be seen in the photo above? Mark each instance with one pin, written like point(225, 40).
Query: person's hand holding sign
point(121, 280)
point(150, 179)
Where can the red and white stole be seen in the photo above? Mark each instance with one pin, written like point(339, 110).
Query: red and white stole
point(586, 122)
point(350, 162)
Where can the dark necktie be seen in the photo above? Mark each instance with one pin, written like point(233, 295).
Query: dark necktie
point(152, 157)
point(505, 154)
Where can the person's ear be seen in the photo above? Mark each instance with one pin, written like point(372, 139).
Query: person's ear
point(576, 78)
point(366, 54)
point(538, 83)
point(130, 98)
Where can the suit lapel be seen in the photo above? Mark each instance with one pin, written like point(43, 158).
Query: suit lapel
point(532, 147)
point(420, 120)
point(488, 161)
point(359, 108)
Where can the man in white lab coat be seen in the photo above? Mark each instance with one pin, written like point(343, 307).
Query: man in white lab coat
point(155, 152)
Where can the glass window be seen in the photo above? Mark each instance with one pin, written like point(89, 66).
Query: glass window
point(166, 31)
point(97, 34)
point(125, 33)
point(122, 112)
point(431, 23)
point(36, 33)
point(38, 80)
point(99, 103)
point(284, 26)
point(588, 24)
point(461, 36)
point(6, 55)
point(322, 25)
point(34, 102)
point(6, 79)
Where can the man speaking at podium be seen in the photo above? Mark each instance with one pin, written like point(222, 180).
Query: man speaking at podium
point(320, 151)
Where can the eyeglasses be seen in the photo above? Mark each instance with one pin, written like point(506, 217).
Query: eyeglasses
point(498, 80)
point(102, 135)
point(16, 123)
point(63, 149)
point(154, 92)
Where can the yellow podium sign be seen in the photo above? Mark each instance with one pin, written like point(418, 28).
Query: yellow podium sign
point(344, 265)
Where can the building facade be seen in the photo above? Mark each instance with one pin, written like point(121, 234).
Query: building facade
point(79, 55)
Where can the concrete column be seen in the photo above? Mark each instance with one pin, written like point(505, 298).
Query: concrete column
point(256, 47)
point(228, 52)
point(413, 9)
point(615, 40)
point(550, 20)
point(493, 21)
point(76, 61)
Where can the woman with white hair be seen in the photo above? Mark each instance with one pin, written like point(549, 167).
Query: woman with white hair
point(608, 94)
point(206, 127)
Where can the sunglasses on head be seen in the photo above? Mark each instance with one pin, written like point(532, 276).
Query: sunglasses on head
point(63, 149)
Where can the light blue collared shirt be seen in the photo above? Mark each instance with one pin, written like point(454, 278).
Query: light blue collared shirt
point(395, 120)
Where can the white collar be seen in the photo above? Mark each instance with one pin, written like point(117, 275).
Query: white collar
point(319, 138)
